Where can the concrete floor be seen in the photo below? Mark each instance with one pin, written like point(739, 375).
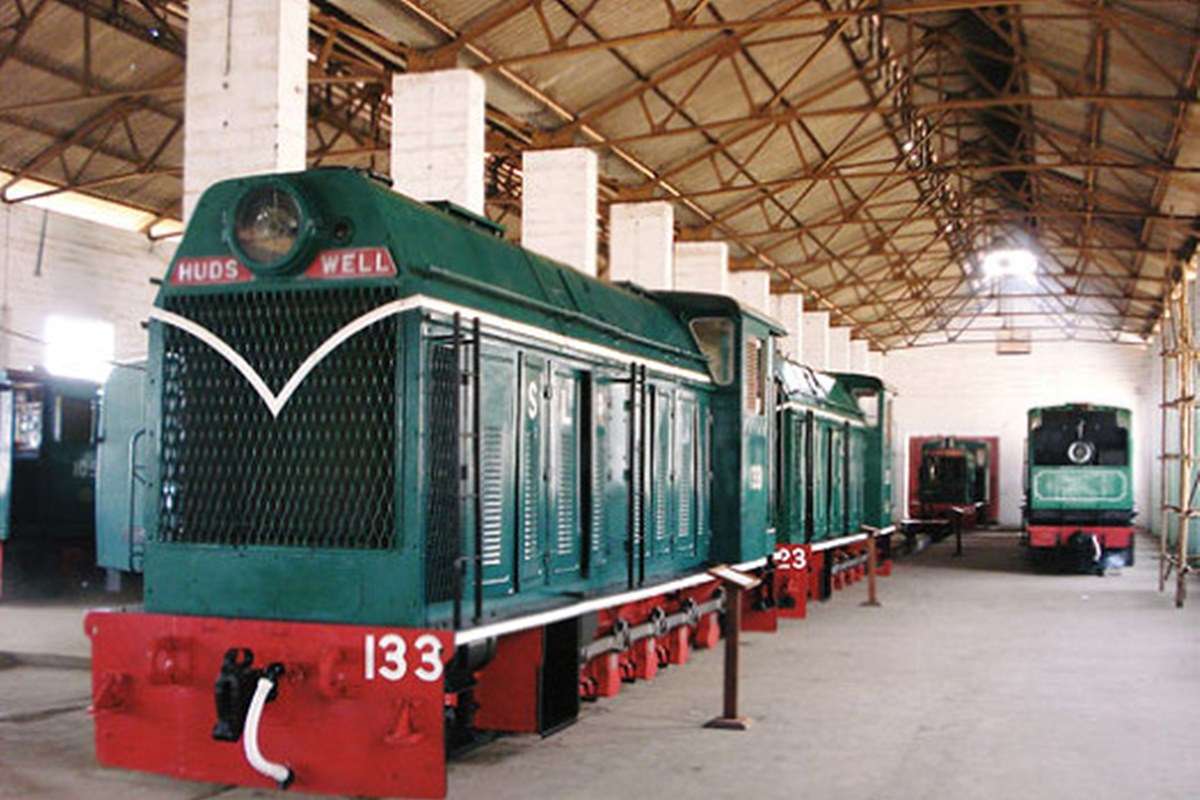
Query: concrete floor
point(976, 679)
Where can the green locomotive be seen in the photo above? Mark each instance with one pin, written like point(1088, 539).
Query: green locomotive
point(398, 459)
point(833, 440)
point(121, 453)
point(47, 473)
point(1079, 485)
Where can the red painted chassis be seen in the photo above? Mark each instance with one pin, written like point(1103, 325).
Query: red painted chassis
point(346, 728)
point(1112, 537)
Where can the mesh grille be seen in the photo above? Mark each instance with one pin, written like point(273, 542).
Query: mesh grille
point(444, 540)
point(321, 474)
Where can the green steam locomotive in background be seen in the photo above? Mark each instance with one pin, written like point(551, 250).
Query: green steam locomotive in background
point(1079, 485)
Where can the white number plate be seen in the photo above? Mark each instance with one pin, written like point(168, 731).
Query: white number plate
point(386, 657)
point(791, 557)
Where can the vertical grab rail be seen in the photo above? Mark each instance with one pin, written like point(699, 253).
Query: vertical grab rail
point(477, 459)
point(642, 451)
point(635, 543)
point(460, 564)
point(633, 473)
point(134, 479)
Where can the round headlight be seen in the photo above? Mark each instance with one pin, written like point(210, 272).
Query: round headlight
point(1081, 452)
point(267, 225)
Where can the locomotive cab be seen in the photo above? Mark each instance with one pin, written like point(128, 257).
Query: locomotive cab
point(738, 346)
point(946, 479)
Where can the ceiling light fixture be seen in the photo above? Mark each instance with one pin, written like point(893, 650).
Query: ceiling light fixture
point(1019, 263)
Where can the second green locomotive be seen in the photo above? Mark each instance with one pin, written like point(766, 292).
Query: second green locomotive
point(1079, 485)
point(47, 475)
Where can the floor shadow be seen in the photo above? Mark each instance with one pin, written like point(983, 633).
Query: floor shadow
point(998, 550)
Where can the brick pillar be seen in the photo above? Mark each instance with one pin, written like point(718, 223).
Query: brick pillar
point(559, 205)
point(702, 267)
point(816, 339)
point(788, 310)
point(641, 240)
point(752, 289)
point(839, 349)
point(246, 92)
point(438, 137)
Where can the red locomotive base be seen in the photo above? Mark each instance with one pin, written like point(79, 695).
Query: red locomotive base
point(1114, 537)
point(360, 709)
point(341, 731)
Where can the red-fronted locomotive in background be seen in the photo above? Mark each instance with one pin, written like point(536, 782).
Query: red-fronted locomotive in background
point(954, 472)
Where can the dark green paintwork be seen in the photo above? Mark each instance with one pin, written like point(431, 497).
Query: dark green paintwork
point(445, 256)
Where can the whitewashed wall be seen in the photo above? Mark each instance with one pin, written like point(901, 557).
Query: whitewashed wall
point(87, 270)
point(968, 389)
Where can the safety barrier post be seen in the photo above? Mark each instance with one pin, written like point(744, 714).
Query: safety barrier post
point(872, 558)
point(736, 583)
point(958, 526)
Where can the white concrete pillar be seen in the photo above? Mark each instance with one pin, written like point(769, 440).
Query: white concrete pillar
point(839, 349)
point(558, 205)
point(858, 356)
point(438, 136)
point(875, 364)
point(641, 243)
point(815, 341)
point(246, 92)
point(702, 267)
point(788, 311)
point(752, 288)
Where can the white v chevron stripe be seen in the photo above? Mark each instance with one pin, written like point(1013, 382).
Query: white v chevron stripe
point(276, 402)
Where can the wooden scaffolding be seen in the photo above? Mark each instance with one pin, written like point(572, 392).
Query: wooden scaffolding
point(1178, 474)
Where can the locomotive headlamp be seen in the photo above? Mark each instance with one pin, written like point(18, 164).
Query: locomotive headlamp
point(269, 226)
point(1080, 452)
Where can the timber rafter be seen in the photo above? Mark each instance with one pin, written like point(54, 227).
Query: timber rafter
point(863, 153)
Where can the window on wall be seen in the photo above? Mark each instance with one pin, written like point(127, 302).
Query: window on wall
point(77, 347)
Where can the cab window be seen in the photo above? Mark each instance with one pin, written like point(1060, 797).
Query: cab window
point(714, 337)
point(868, 404)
